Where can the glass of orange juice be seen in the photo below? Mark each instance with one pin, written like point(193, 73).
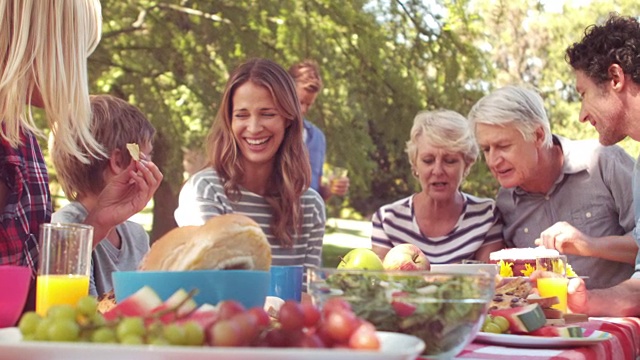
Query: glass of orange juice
point(555, 282)
point(64, 265)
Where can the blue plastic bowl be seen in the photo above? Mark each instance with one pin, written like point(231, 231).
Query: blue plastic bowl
point(248, 287)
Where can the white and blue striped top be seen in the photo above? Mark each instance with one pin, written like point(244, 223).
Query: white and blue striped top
point(477, 226)
point(202, 197)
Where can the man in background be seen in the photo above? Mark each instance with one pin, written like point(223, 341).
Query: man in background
point(306, 75)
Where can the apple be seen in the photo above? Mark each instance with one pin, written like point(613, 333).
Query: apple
point(406, 257)
point(361, 259)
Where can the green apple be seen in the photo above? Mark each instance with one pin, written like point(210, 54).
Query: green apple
point(361, 259)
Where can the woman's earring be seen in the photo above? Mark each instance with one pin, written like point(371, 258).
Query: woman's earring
point(415, 173)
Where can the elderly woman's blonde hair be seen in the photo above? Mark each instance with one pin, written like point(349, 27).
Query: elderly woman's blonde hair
point(44, 45)
point(445, 129)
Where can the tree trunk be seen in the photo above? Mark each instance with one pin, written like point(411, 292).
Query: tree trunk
point(165, 203)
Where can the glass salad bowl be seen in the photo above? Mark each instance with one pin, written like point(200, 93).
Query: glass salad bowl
point(445, 310)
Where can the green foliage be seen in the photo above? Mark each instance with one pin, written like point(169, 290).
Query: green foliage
point(382, 61)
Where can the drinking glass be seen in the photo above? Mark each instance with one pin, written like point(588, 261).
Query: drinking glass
point(338, 179)
point(64, 265)
point(555, 284)
point(286, 282)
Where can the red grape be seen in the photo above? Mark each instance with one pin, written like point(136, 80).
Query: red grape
point(321, 331)
point(277, 338)
point(364, 337)
point(311, 314)
point(341, 324)
point(262, 317)
point(309, 340)
point(291, 316)
point(228, 308)
point(226, 333)
point(247, 325)
point(333, 304)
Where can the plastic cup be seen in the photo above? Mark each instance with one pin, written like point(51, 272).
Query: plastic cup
point(556, 284)
point(286, 282)
point(64, 265)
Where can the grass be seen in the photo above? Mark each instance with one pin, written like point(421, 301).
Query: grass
point(331, 254)
point(341, 236)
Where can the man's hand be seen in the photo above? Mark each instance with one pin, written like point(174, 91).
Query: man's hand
point(576, 291)
point(339, 186)
point(565, 238)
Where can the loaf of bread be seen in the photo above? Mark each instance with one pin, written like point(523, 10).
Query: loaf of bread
point(230, 241)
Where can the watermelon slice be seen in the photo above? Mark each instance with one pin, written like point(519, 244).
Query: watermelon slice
point(559, 331)
point(181, 299)
point(523, 319)
point(205, 316)
point(141, 303)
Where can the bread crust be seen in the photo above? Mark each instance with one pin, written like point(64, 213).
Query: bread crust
point(230, 241)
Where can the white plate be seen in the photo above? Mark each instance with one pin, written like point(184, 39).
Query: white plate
point(541, 341)
point(395, 346)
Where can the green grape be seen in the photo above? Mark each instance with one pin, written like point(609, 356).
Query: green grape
point(155, 329)
point(104, 335)
point(85, 334)
point(492, 328)
point(29, 337)
point(131, 339)
point(194, 335)
point(175, 334)
point(502, 322)
point(133, 326)
point(64, 330)
point(87, 305)
point(62, 312)
point(159, 341)
point(42, 330)
point(97, 319)
point(29, 323)
point(487, 320)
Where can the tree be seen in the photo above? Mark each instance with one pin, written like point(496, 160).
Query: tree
point(382, 62)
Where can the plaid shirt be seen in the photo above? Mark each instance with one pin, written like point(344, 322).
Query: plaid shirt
point(28, 202)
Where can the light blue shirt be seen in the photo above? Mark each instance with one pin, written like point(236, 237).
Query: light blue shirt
point(317, 147)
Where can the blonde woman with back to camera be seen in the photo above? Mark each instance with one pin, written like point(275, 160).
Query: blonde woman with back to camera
point(44, 47)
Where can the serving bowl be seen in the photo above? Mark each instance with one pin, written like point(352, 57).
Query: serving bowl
point(248, 287)
point(445, 310)
point(14, 288)
point(491, 269)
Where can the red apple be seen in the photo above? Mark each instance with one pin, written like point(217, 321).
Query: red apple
point(405, 257)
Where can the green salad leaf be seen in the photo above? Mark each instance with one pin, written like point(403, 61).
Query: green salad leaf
point(440, 311)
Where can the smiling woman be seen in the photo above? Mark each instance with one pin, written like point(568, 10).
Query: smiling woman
point(260, 167)
point(258, 129)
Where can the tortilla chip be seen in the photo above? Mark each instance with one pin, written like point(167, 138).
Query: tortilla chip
point(134, 150)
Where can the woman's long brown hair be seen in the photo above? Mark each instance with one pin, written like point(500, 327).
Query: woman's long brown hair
point(291, 175)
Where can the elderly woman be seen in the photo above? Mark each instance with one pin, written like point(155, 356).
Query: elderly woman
point(446, 224)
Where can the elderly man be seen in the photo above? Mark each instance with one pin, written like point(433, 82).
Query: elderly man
point(606, 63)
point(573, 196)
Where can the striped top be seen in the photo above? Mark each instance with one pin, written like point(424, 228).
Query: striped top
point(478, 225)
point(202, 197)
